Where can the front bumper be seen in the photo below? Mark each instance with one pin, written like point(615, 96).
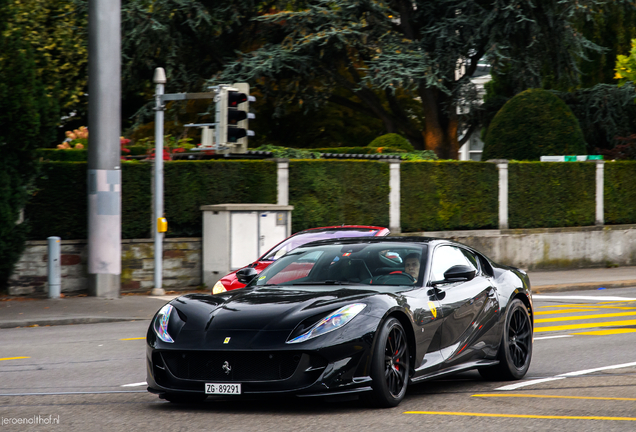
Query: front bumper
point(293, 372)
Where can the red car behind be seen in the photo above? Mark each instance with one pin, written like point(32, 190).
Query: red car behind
point(230, 282)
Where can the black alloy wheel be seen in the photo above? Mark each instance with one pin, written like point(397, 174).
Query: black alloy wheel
point(389, 366)
point(515, 351)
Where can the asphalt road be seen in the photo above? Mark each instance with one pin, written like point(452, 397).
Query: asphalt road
point(90, 377)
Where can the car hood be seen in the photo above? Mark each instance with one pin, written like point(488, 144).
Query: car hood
point(263, 309)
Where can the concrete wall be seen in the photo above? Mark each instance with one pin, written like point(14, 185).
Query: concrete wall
point(531, 249)
point(552, 248)
point(181, 266)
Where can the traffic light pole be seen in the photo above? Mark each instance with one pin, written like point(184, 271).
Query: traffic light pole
point(160, 80)
point(104, 154)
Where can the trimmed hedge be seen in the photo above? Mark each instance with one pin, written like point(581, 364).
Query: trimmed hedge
point(59, 205)
point(191, 184)
point(328, 192)
point(620, 193)
point(448, 195)
point(548, 194)
point(58, 155)
point(436, 195)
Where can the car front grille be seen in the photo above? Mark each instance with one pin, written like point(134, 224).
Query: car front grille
point(221, 366)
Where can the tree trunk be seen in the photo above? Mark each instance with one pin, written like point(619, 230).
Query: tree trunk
point(441, 120)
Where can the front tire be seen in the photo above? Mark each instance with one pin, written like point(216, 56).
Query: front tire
point(515, 350)
point(389, 366)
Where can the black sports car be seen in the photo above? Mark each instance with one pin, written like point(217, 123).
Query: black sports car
point(366, 316)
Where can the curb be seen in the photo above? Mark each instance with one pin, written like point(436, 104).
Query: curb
point(546, 289)
point(65, 321)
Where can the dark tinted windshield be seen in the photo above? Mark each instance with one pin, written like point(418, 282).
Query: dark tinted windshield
point(351, 264)
point(304, 238)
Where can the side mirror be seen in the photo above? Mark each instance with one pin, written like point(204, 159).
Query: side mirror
point(460, 273)
point(246, 275)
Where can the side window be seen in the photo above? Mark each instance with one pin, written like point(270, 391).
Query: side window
point(446, 257)
point(471, 258)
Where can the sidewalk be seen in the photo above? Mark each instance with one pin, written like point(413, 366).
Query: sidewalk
point(27, 312)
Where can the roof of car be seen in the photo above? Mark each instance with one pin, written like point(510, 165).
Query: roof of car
point(354, 240)
point(341, 228)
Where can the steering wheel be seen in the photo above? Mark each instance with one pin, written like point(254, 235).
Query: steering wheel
point(394, 278)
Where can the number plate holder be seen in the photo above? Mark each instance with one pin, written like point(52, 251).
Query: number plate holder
point(222, 389)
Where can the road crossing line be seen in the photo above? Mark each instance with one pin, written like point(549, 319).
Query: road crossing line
point(583, 317)
point(585, 326)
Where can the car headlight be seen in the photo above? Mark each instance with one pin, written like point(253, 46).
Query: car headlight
point(331, 322)
point(161, 323)
point(218, 288)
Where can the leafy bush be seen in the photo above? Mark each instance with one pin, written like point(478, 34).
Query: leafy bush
point(289, 153)
point(532, 124)
point(392, 140)
point(359, 150)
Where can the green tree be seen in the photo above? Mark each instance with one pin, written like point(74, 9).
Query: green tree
point(625, 67)
point(23, 104)
point(429, 50)
point(55, 32)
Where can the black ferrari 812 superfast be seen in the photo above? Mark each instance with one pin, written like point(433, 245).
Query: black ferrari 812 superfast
point(365, 316)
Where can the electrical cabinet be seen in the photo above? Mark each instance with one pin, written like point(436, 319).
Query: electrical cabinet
point(235, 235)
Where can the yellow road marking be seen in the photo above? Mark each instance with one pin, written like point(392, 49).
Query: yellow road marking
point(583, 317)
point(568, 305)
point(585, 325)
point(551, 417)
point(560, 311)
point(516, 395)
point(139, 338)
point(607, 332)
point(14, 358)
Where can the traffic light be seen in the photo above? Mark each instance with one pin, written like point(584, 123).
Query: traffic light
point(238, 116)
point(232, 116)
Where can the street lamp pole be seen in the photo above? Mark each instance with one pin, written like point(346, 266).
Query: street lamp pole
point(104, 170)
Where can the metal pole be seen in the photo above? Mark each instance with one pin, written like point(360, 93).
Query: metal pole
point(160, 80)
point(53, 267)
point(503, 195)
point(104, 174)
point(600, 192)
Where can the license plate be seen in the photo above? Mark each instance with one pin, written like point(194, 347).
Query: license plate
point(222, 389)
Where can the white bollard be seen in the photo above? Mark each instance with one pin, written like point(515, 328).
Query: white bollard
point(53, 266)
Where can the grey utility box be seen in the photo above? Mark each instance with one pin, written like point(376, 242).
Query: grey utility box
point(235, 235)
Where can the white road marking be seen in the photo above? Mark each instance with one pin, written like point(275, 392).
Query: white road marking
point(528, 383)
point(563, 376)
point(589, 371)
point(598, 298)
point(552, 337)
point(135, 384)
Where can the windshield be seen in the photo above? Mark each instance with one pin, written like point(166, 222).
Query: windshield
point(352, 264)
point(310, 236)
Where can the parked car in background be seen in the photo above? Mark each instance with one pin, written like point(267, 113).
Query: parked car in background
point(230, 282)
